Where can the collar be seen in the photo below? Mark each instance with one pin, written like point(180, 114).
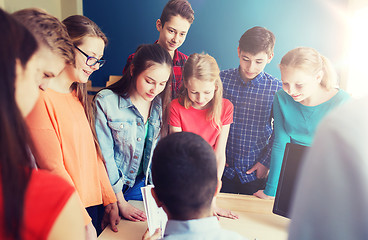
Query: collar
point(191, 226)
point(254, 82)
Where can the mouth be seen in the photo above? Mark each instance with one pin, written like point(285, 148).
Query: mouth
point(296, 96)
point(173, 45)
point(88, 73)
point(150, 95)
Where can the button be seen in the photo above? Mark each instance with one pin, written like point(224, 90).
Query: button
point(131, 171)
point(128, 182)
point(135, 157)
point(121, 126)
point(139, 139)
point(138, 123)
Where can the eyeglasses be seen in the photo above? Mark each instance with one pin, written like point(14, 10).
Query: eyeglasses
point(91, 61)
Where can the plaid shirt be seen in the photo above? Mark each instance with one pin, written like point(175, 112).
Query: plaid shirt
point(178, 63)
point(250, 139)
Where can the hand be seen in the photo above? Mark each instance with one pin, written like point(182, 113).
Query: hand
point(90, 232)
point(262, 170)
point(155, 236)
point(219, 212)
point(131, 213)
point(111, 216)
point(262, 195)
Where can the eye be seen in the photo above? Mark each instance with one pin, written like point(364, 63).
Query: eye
point(285, 84)
point(48, 75)
point(245, 59)
point(171, 31)
point(207, 93)
point(193, 92)
point(259, 62)
point(149, 81)
point(299, 85)
point(182, 34)
point(163, 83)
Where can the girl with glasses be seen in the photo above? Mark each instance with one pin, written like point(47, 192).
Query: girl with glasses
point(63, 131)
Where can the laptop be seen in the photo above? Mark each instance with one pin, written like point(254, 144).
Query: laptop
point(293, 157)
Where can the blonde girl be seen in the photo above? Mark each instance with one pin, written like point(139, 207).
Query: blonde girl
point(309, 92)
point(61, 122)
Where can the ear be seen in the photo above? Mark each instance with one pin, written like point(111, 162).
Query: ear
point(131, 69)
point(270, 57)
point(319, 76)
point(154, 195)
point(239, 52)
point(158, 25)
point(218, 188)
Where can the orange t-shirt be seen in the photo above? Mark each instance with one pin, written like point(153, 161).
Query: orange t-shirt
point(194, 120)
point(64, 141)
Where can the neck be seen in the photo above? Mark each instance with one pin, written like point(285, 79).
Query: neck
point(246, 80)
point(63, 81)
point(170, 52)
point(320, 96)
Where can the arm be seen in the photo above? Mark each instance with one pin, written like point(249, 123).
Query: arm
point(220, 149)
point(173, 129)
point(69, 224)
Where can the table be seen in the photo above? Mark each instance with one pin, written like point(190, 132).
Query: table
point(256, 220)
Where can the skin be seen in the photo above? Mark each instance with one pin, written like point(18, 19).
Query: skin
point(172, 33)
point(252, 65)
point(150, 83)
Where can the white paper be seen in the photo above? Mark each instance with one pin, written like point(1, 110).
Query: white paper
point(156, 217)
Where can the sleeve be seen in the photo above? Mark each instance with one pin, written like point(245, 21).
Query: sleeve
point(108, 194)
point(106, 141)
point(43, 127)
point(175, 119)
point(228, 112)
point(281, 138)
point(128, 62)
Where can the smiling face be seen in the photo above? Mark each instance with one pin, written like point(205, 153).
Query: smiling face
point(151, 82)
point(300, 85)
point(252, 65)
point(200, 92)
point(173, 33)
point(92, 46)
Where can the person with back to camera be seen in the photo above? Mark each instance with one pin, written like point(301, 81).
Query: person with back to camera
point(251, 90)
point(173, 26)
point(309, 93)
point(130, 116)
point(332, 204)
point(201, 109)
point(185, 178)
point(62, 124)
point(33, 204)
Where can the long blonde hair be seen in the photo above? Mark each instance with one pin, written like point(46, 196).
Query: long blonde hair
point(204, 68)
point(312, 62)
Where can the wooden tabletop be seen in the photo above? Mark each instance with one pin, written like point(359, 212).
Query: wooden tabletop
point(256, 220)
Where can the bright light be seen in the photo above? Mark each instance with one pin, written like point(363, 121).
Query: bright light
point(357, 83)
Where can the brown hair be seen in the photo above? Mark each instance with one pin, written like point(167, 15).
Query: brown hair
point(256, 40)
point(310, 61)
point(177, 7)
point(16, 43)
point(48, 31)
point(204, 68)
point(78, 28)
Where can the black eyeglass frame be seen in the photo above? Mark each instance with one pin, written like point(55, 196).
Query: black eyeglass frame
point(99, 61)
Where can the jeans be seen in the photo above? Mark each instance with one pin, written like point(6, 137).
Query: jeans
point(134, 193)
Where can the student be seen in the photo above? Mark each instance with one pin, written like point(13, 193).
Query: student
point(180, 162)
point(34, 204)
point(130, 116)
point(60, 126)
point(173, 26)
point(200, 107)
point(309, 93)
point(251, 90)
point(331, 196)
point(55, 44)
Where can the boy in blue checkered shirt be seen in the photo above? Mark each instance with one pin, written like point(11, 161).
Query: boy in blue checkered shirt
point(251, 90)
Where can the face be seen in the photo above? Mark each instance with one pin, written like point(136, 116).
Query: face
point(26, 83)
point(200, 92)
point(54, 64)
point(94, 47)
point(252, 65)
point(173, 33)
point(300, 85)
point(152, 82)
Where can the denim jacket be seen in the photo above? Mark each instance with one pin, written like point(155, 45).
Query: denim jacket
point(121, 134)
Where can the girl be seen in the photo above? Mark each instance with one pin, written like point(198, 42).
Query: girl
point(34, 204)
point(62, 129)
point(130, 115)
point(201, 109)
point(309, 93)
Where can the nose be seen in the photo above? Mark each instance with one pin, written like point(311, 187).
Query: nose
point(200, 98)
point(175, 38)
point(95, 67)
point(251, 66)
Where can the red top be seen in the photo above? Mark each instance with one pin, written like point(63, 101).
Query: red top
point(45, 197)
point(194, 120)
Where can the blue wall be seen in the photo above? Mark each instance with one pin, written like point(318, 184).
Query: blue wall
point(218, 26)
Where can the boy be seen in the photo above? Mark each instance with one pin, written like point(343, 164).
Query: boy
point(251, 90)
point(184, 173)
point(173, 26)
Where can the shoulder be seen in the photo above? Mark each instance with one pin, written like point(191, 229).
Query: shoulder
point(175, 104)
point(43, 180)
point(105, 93)
point(341, 95)
point(272, 80)
point(227, 104)
point(232, 72)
